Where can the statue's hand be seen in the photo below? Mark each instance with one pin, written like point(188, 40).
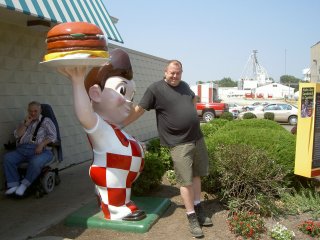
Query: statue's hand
point(74, 73)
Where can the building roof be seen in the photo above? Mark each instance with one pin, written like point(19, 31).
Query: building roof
point(58, 11)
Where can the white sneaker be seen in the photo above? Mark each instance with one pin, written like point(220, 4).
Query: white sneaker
point(21, 189)
point(11, 190)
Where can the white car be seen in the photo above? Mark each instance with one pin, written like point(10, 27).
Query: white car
point(235, 109)
point(283, 112)
point(254, 105)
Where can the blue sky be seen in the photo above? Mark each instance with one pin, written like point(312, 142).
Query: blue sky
point(214, 39)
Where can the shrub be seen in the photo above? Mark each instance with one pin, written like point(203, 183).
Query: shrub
point(303, 200)
point(211, 127)
point(261, 134)
point(269, 116)
point(153, 146)
point(250, 180)
point(171, 176)
point(249, 115)
point(280, 232)
point(151, 175)
point(310, 227)
point(246, 224)
point(227, 115)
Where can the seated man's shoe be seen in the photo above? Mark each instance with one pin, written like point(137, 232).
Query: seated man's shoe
point(203, 219)
point(135, 216)
point(21, 190)
point(11, 190)
point(194, 226)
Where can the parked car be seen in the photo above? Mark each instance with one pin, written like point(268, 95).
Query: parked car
point(283, 112)
point(235, 109)
point(209, 111)
point(254, 105)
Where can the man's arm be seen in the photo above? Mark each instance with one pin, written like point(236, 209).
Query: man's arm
point(134, 115)
point(50, 137)
point(195, 100)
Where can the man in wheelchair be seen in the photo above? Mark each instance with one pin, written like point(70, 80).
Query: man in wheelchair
point(32, 138)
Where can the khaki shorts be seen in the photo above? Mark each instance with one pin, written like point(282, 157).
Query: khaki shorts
point(190, 160)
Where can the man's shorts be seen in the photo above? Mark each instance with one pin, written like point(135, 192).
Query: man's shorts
point(190, 160)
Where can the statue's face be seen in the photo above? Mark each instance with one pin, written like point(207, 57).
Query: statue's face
point(116, 99)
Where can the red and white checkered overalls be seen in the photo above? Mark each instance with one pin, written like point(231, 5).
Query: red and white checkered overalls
point(117, 162)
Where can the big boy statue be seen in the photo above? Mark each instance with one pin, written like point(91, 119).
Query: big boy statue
point(102, 100)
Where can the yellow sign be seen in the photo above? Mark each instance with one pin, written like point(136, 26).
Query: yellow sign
point(307, 158)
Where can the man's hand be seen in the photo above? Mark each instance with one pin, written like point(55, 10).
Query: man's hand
point(39, 148)
point(27, 120)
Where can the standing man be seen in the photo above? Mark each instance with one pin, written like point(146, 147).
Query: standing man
point(179, 129)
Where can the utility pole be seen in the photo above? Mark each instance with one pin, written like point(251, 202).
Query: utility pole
point(285, 61)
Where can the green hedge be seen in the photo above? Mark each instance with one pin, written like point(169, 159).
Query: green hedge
point(260, 134)
point(258, 142)
point(151, 176)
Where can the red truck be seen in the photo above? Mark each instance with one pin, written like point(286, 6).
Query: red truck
point(208, 111)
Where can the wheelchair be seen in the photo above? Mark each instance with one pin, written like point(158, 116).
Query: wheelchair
point(49, 176)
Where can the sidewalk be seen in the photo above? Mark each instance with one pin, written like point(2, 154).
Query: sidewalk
point(24, 218)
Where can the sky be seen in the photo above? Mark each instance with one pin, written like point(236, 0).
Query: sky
point(215, 39)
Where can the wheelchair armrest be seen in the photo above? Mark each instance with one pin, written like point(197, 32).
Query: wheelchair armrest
point(54, 144)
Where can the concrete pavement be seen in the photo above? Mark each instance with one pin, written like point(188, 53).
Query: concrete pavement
point(25, 218)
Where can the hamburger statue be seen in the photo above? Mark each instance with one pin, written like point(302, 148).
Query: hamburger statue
point(102, 100)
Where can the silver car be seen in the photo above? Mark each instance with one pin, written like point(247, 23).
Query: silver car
point(283, 112)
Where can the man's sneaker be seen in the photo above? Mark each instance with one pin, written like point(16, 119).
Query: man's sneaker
point(11, 190)
point(203, 219)
point(194, 225)
point(21, 189)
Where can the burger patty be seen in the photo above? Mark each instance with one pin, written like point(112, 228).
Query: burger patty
point(92, 43)
point(73, 37)
point(73, 48)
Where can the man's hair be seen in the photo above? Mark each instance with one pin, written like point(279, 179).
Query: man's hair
point(34, 103)
point(174, 62)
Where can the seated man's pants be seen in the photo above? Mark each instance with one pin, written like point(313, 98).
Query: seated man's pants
point(24, 153)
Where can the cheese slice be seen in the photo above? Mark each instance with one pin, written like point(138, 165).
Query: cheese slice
point(92, 53)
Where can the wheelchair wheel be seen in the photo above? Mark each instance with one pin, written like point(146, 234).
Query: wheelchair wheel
point(48, 182)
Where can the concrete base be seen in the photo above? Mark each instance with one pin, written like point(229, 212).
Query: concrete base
point(90, 216)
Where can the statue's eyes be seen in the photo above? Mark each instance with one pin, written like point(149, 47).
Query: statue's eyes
point(122, 90)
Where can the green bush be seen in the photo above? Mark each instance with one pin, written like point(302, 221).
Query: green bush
point(249, 115)
point(211, 127)
point(304, 200)
point(262, 134)
point(263, 140)
point(153, 146)
point(151, 175)
point(250, 180)
point(227, 115)
point(269, 116)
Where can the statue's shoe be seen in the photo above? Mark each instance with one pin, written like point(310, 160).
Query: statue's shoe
point(135, 216)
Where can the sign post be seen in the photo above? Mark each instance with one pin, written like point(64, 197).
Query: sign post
point(307, 158)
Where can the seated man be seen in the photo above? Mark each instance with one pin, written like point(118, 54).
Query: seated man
point(32, 136)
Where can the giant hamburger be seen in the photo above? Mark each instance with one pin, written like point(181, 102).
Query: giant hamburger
point(76, 39)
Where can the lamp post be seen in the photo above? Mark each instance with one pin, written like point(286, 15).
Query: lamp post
point(285, 61)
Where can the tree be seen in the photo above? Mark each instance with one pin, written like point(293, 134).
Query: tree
point(290, 81)
point(226, 82)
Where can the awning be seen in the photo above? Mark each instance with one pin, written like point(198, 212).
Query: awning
point(92, 11)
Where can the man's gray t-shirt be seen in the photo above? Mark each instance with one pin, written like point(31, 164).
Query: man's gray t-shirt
point(177, 118)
